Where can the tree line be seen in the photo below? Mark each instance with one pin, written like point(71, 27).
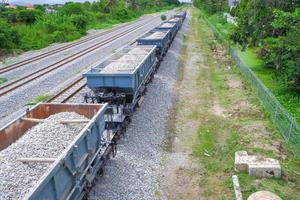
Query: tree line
point(25, 29)
point(271, 26)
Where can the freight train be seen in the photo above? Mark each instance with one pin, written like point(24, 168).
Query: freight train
point(116, 89)
point(121, 80)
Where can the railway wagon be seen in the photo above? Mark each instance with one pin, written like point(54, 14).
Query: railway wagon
point(173, 27)
point(176, 20)
point(122, 77)
point(72, 171)
point(181, 15)
point(160, 38)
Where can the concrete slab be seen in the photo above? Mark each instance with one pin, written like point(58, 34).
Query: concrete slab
point(241, 161)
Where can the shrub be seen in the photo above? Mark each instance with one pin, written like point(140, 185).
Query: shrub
point(8, 36)
point(29, 16)
point(163, 17)
point(80, 21)
point(10, 15)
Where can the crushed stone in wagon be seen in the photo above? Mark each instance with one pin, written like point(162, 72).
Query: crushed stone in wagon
point(45, 140)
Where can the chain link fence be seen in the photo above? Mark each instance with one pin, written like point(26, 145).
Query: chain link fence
point(286, 124)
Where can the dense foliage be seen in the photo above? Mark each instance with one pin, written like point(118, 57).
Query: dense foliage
point(273, 26)
point(255, 19)
point(211, 6)
point(42, 25)
point(283, 51)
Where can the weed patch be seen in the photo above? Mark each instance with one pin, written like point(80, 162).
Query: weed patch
point(2, 80)
point(39, 99)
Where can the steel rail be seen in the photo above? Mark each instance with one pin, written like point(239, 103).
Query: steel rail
point(67, 93)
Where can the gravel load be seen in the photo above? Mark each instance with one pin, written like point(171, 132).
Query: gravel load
point(126, 63)
point(133, 173)
point(156, 35)
point(45, 140)
point(174, 19)
point(167, 25)
point(138, 50)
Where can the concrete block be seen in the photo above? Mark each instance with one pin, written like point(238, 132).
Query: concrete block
point(256, 165)
point(263, 195)
point(264, 168)
point(241, 161)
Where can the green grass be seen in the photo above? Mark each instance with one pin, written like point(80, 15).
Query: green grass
point(250, 58)
point(2, 80)
point(39, 99)
point(224, 28)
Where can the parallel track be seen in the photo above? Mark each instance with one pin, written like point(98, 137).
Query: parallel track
point(58, 50)
point(11, 86)
point(68, 92)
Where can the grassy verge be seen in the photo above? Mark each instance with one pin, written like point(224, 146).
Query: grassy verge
point(287, 97)
point(244, 127)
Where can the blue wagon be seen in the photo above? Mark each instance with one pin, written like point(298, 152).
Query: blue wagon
point(181, 15)
point(177, 21)
point(121, 79)
point(160, 38)
point(74, 170)
point(173, 27)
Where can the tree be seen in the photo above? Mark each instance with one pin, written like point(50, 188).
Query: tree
point(211, 6)
point(254, 19)
point(283, 52)
point(72, 9)
point(40, 8)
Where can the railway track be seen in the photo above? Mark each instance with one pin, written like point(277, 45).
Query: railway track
point(13, 85)
point(68, 92)
point(58, 50)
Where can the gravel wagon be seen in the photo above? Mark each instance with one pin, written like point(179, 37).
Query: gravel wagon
point(160, 38)
point(121, 79)
point(68, 175)
point(181, 15)
point(173, 27)
point(176, 20)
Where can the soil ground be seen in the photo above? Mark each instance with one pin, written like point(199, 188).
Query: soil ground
point(215, 115)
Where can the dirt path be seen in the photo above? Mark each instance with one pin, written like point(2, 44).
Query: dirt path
point(215, 115)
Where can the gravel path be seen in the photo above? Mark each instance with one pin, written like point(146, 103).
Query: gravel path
point(132, 174)
point(12, 105)
point(45, 140)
